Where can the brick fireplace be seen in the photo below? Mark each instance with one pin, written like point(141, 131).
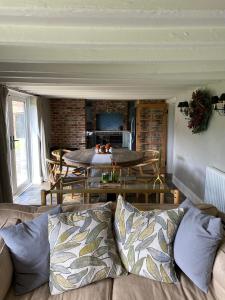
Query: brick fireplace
point(71, 118)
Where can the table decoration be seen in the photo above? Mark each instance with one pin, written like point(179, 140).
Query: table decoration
point(103, 149)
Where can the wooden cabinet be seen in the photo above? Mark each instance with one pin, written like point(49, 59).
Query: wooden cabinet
point(151, 129)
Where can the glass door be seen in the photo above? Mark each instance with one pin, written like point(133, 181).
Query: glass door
point(19, 144)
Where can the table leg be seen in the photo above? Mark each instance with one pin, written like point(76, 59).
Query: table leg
point(43, 197)
point(162, 198)
point(58, 195)
point(176, 195)
point(88, 198)
point(146, 197)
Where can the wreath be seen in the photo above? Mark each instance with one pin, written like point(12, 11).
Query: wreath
point(200, 111)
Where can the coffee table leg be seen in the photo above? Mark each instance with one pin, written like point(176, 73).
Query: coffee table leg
point(162, 198)
point(43, 197)
point(146, 197)
point(176, 195)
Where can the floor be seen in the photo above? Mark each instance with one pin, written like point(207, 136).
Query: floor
point(32, 196)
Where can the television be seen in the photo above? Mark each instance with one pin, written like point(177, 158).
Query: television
point(109, 121)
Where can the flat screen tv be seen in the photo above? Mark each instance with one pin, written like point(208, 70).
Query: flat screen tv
point(109, 121)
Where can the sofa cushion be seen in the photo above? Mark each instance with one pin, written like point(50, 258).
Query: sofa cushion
point(29, 249)
point(195, 246)
point(219, 272)
point(133, 287)
point(82, 249)
point(145, 240)
point(101, 290)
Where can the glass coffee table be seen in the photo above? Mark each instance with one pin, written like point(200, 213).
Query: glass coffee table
point(125, 185)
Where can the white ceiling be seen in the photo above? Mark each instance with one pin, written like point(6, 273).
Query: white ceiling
point(98, 49)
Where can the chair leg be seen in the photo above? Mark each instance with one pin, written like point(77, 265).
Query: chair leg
point(59, 186)
point(51, 193)
point(83, 197)
point(162, 197)
point(137, 196)
point(146, 197)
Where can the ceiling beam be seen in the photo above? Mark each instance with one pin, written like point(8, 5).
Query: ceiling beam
point(40, 54)
point(118, 80)
point(105, 70)
point(111, 36)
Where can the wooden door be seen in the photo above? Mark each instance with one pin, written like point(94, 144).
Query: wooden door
point(151, 129)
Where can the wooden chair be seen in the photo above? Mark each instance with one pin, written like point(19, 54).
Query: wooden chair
point(149, 168)
point(73, 169)
point(59, 176)
point(58, 153)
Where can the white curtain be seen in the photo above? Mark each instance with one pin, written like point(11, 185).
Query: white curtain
point(5, 185)
point(43, 124)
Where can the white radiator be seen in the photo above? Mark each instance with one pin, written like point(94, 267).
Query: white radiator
point(215, 188)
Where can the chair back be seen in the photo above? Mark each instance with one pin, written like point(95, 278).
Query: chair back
point(58, 156)
point(53, 167)
point(151, 154)
point(58, 153)
point(153, 157)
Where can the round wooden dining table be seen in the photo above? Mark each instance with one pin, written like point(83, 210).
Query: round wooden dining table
point(88, 157)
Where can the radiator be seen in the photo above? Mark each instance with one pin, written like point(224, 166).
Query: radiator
point(215, 188)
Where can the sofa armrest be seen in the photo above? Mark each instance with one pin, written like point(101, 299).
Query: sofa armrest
point(6, 266)
point(218, 275)
point(6, 269)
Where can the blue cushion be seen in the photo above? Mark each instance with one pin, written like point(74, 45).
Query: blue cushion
point(29, 248)
point(195, 246)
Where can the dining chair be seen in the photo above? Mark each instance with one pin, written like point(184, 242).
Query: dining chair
point(149, 168)
point(64, 167)
point(60, 177)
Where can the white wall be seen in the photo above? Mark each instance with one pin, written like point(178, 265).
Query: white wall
point(194, 152)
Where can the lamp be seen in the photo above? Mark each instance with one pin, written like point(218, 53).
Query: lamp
point(219, 104)
point(184, 107)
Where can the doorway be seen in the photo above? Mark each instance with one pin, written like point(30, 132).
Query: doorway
point(19, 138)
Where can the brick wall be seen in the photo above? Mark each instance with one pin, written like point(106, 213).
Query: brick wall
point(68, 123)
point(68, 119)
point(99, 106)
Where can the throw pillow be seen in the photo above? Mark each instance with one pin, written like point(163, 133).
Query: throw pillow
point(29, 249)
point(83, 249)
point(145, 240)
point(195, 246)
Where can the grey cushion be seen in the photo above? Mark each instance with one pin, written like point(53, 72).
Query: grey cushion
point(29, 248)
point(195, 246)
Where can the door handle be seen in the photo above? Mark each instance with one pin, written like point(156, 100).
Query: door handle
point(12, 142)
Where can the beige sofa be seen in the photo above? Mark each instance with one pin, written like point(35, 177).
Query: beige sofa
point(129, 287)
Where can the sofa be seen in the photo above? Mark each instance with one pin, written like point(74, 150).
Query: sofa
point(129, 287)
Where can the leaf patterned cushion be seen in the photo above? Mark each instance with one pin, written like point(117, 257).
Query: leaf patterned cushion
point(82, 249)
point(145, 240)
